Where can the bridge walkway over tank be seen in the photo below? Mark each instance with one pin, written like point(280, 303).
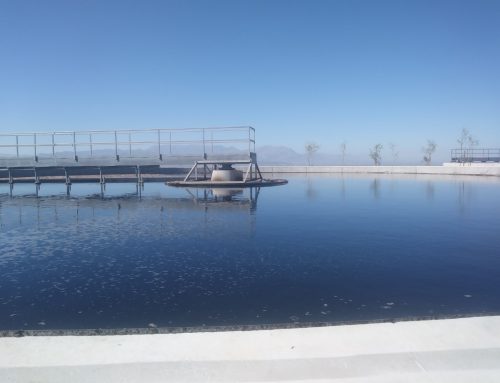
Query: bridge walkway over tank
point(123, 155)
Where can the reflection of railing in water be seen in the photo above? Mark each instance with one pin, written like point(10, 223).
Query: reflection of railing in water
point(199, 195)
point(225, 197)
point(139, 187)
point(198, 199)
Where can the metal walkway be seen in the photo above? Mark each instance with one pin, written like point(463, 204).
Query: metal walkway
point(120, 155)
point(475, 155)
point(161, 147)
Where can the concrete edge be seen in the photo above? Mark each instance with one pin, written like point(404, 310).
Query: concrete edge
point(228, 328)
point(421, 348)
point(436, 170)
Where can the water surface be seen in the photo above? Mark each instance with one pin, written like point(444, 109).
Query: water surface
point(320, 249)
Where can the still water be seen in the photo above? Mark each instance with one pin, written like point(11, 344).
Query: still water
point(320, 249)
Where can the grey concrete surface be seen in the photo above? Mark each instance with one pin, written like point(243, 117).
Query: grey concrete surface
point(450, 350)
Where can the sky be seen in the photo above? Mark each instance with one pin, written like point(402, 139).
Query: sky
point(360, 72)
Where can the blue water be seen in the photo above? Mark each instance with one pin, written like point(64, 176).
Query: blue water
point(320, 249)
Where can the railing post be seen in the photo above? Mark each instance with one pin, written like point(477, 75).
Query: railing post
point(170, 141)
point(53, 146)
point(90, 141)
point(17, 146)
point(253, 139)
point(204, 150)
point(34, 146)
point(129, 144)
point(116, 147)
point(74, 146)
point(159, 145)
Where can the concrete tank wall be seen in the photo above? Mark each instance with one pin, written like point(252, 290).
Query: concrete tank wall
point(482, 170)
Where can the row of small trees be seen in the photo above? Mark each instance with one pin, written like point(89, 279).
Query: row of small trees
point(312, 148)
point(466, 141)
point(428, 150)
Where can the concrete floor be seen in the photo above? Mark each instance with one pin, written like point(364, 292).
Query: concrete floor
point(451, 350)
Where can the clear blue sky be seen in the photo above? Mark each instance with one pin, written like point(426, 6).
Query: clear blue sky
point(325, 71)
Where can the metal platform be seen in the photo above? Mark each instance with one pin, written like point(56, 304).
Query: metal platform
point(129, 156)
point(468, 155)
point(252, 172)
point(125, 155)
point(229, 184)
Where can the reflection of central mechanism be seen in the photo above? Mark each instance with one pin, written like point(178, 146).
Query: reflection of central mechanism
point(225, 197)
point(226, 194)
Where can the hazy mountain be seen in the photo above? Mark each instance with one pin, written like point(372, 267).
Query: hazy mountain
point(283, 155)
point(279, 155)
point(266, 155)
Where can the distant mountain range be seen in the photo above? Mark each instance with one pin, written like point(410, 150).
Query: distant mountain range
point(266, 155)
point(283, 155)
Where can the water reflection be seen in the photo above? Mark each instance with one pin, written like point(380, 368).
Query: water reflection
point(180, 257)
point(342, 187)
point(311, 192)
point(27, 210)
point(430, 190)
point(375, 188)
point(466, 196)
point(229, 197)
point(37, 188)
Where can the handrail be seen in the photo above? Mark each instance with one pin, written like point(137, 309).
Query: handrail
point(84, 143)
point(82, 132)
point(465, 155)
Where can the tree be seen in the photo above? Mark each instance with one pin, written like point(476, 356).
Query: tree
point(471, 142)
point(429, 151)
point(467, 143)
point(343, 149)
point(394, 152)
point(464, 137)
point(376, 154)
point(311, 149)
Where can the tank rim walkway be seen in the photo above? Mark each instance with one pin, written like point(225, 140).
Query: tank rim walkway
point(449, 350)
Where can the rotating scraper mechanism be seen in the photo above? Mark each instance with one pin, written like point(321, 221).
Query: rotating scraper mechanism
point(224, 175)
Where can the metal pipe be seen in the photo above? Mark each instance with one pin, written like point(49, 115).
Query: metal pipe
point(74, 145)
point(204, 150)
point(129, 145)
point(159, 144)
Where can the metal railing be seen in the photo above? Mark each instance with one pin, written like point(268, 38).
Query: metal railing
point(147, 143)
point(475, 155)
